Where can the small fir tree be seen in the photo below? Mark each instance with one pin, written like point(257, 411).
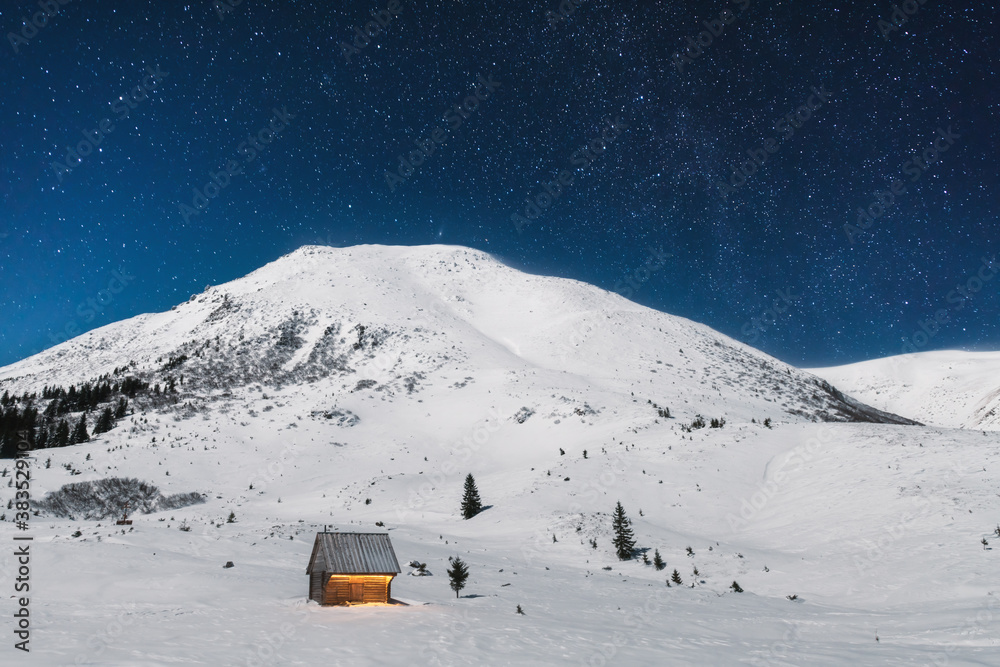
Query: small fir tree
point(676, 577)
point(658, 561)
point(458, 573)
point(736, 588)
point(471, 504)
point(624, 541)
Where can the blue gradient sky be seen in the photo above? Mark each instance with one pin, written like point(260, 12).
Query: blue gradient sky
point(845, 295)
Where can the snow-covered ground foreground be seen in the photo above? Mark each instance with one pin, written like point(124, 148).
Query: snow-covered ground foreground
point(875, 527)
point(950, 388)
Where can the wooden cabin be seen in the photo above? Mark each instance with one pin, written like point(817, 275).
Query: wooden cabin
point(351, 568)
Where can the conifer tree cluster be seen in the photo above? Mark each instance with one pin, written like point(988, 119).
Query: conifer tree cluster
point(50, 420)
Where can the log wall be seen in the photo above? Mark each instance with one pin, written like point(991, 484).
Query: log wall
point(338, 589)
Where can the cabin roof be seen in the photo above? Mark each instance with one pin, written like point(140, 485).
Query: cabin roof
point(353, 553)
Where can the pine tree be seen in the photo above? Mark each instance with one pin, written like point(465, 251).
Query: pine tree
point(62, 434)
point(80, 432)
point(471, 505)
point(736, 588)
point(120, 410)
point(657, 561)
point(458, 573)
point(624, 541)
point(105, 422)
point(676, 577)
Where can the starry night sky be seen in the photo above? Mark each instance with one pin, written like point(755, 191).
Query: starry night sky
point(322, 178)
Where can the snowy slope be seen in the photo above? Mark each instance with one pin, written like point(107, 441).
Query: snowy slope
point(292, 417)
point(948, 388)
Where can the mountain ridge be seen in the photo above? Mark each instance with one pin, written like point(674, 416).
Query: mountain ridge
point(949, 388)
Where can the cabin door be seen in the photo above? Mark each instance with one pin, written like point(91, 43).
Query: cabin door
point(357, 592)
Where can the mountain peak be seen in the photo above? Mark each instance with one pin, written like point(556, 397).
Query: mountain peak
point(423, 319)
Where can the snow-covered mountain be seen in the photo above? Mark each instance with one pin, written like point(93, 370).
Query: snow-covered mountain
point(405, 321)
point(948, 388)
point(357, 387)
